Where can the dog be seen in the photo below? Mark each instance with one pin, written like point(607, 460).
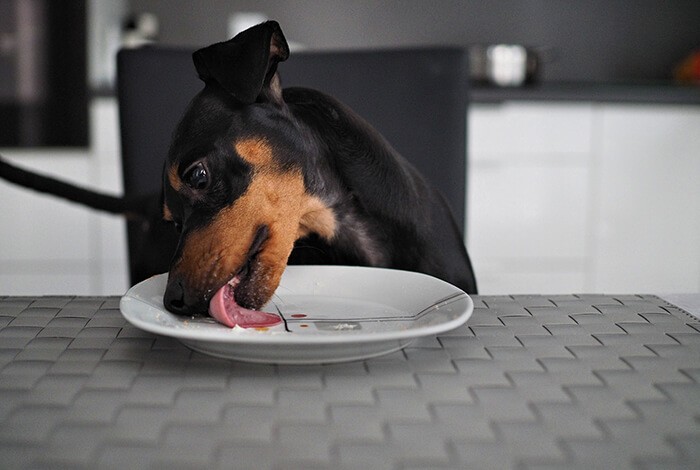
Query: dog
point(258, 177)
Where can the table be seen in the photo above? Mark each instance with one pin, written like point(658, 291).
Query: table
point(579, 381)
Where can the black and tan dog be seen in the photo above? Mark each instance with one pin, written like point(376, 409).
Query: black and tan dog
point(258, 177)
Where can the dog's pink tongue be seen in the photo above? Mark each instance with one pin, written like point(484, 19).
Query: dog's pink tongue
point(224, 309)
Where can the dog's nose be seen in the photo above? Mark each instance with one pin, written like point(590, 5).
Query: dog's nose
point(176, 300)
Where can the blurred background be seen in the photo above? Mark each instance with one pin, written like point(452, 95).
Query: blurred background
point(581, 170)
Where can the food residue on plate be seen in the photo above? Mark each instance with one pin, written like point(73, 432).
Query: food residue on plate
point(345, 326)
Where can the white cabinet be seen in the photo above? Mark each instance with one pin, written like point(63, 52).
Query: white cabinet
point(586, 197)
point(528, 195)
point(562, 198)
point(49, 246)
point(647, 189)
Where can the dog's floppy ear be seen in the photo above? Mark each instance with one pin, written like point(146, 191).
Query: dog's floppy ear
point(245, 65)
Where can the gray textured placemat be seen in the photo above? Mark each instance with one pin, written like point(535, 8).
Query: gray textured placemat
point(530, 382)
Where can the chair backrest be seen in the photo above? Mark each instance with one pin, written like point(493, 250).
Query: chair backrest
point(154, 86)
point(417, 98)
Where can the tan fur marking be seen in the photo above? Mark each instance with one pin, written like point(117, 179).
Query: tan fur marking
point(174, 179)
point(213, 254)
point(317, 218)
point(167, 215)
point(254, 151)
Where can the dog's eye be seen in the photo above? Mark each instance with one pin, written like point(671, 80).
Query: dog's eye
point(197, 177)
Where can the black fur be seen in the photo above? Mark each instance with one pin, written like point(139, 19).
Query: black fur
point(409, 221)
point(70, 192)
point(387, 214)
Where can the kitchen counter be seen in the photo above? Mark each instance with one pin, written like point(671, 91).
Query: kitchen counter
point(640, 93)
point(636, 93)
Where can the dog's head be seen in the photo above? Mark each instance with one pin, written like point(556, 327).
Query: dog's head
point(233, 182)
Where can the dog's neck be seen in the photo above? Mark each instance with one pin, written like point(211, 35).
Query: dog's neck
point(355, 236)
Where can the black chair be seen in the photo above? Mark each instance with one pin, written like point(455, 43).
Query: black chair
point(417, 98)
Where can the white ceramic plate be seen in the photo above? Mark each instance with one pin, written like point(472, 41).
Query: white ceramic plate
point(330, 313)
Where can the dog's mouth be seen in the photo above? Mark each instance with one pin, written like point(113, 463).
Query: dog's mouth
point(228, 305)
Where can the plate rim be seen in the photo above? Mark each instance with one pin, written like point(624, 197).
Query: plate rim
point(283, 338)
